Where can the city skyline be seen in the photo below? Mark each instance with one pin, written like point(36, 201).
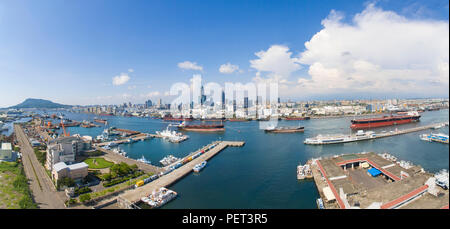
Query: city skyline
point(331, 50)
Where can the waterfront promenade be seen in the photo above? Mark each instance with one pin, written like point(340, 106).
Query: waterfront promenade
point(134, 196)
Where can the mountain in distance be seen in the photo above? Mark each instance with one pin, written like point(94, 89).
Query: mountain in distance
point(39, 103)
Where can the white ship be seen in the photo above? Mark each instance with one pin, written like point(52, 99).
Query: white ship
point(321, 140)
point(159, 198)
point(142, 159)
point(168, 160)
point(172, 136)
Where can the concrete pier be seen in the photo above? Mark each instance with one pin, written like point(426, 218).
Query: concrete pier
point(133, 196)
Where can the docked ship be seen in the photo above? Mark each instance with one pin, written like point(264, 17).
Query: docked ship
point(297, 118)
point(100, 121)
point(412, 116)
point(198, 167)
point(285, 129)
point(201, 127)
point(304, 171)
point(171, 118)
point(172, 136)
point(159, 198)
point(170, 159)
point(144, 160)
point(323, 140)
point(442, 138)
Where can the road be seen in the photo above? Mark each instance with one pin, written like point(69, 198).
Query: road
point(43, 191)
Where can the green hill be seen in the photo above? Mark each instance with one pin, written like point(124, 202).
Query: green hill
point(39, 103)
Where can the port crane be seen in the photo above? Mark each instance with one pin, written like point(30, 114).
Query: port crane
point(64, 129)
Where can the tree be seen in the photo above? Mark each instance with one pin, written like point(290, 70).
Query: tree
point(85, 197)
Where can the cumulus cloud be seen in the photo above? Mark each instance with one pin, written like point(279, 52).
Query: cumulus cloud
point(276, 62)
point(190, 66)
point(121, 79)
point(380, 51)
point(228, 68)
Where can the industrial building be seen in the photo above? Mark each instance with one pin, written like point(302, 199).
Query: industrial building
point(65, 149)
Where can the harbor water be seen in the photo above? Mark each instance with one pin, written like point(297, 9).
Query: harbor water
point(262, 174)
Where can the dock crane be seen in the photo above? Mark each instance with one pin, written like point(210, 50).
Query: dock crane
point(64, 129)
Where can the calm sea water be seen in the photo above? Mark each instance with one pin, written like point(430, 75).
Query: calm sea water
point(262, 174)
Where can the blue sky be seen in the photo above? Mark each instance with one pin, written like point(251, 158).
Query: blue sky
point(69, 51)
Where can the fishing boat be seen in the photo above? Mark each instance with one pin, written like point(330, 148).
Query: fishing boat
point(159, 198)
point(198, 167)
point(142, 159)
point(169, 159)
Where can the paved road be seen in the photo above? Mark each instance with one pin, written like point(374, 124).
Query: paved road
point(43, 190)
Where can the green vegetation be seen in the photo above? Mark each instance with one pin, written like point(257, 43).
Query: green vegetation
point(65, 181)
point(85, 197)
point(83, 190)
point(98, 163)
point(14, 190)
point(40, 154)
point(119, 173)
point(118, 187)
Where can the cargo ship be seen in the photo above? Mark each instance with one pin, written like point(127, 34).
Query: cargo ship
point(201, 127)
point(285, 129)
point(171, 118)
point(238, 120)
point(297, 118)
point(385, 121)
point(100, 121)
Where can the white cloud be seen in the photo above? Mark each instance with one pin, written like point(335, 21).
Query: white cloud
point(131, 87)
point(190, 66)
point(276, 61)
point(228, 68)
point(121, 79)
point(130, 70)
point(380, 51)
point(151, 94)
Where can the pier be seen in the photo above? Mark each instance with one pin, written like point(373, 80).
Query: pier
point(382, 135)
point(131, 197)
point(135, 137)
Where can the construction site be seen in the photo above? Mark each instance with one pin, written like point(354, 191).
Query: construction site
point(376, 181)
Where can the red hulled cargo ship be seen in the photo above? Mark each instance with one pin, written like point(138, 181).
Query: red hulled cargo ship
point(297, 118)
point(201, 128)
point(385, 121)
point(170, 118)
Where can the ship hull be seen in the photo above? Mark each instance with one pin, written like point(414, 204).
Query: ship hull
point(285, 131)
point(203, 130)
point(366, 125)
point(299, 118)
